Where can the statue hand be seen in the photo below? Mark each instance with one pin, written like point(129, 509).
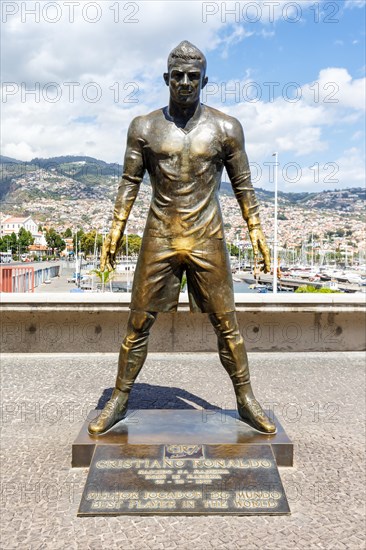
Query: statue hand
point(260, 246)
point(111, 246)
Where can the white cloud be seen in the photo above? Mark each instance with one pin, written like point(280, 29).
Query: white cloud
point(297, 126)
point(292, 127)
point(19, 150)
point(236, 35)
point(352, 167)
point(336, 89)
point(354, 4)
point(303, 131)
point(124, 60)
point(67, 50)
point(348, 170)
point(359, 135)
point(297, 130)
point(129, 58)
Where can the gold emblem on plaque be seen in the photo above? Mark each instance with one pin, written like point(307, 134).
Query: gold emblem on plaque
point(183, 451)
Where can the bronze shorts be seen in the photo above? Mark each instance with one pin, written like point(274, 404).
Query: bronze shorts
point(160, 268)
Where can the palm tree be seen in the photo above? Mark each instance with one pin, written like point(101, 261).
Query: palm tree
point(104, 277)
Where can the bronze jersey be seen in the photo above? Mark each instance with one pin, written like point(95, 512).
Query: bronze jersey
point(185, 167)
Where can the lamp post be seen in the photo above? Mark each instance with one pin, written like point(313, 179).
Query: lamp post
point(275, 245)
point(127, 264)
point(238, 245)
point(76, 253)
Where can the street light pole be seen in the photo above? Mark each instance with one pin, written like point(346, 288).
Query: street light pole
point(275, 244)
point(238, 245)
point(127, 264)
point(76, 259)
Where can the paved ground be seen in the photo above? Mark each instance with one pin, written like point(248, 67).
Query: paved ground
point(319, 398)
point(60, 284)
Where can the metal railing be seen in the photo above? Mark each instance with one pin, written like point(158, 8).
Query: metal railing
point(17, 279)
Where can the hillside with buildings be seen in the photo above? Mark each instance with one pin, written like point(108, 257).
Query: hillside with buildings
point(79, 192)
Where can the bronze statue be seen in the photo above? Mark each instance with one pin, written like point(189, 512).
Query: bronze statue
point(184, 147)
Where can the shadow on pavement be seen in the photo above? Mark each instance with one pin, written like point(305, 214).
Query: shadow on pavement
point(148, 396)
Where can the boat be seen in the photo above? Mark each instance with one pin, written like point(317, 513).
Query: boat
point(354, 278)
point(262, 290)
point(253, 286)
point(332, 285)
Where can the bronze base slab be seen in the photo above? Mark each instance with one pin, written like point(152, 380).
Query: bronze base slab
point(183, 479)
point(181, 426)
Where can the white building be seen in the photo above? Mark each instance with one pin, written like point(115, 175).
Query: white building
point(11, 225)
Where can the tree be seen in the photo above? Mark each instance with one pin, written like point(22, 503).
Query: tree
point(134, 244)
point(250, 255)
point(67, 233)
point(3, 244)
point(338, 255)
point(87, 242)
point(183, 283)
point(12, 242)
point(233, 249)
point(55, 241)
point(9, 242)
point(25, 239)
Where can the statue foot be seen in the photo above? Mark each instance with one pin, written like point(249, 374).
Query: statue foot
point(114, 410)
point(252, 413)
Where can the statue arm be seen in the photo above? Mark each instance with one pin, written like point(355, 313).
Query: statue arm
point(133, 172)
point(237, 167)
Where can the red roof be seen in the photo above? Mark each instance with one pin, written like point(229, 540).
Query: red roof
point(15, 220)
point(37, 247)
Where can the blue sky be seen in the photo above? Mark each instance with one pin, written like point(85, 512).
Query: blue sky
point(298, 51)
point(115, 53)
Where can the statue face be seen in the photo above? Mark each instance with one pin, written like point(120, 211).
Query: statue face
point(185, 80)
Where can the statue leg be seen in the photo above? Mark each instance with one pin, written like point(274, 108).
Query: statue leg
point(132, 356)
point(234, 359)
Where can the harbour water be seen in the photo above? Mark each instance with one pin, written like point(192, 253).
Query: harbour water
point(243, 287)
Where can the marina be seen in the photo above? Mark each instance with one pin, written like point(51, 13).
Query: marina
point(85, 276)
point(290, 281)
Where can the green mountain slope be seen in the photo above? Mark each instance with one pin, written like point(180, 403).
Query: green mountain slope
point(81, 177)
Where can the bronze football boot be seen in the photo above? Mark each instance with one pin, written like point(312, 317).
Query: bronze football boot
point(114, 410)
point(252, 413)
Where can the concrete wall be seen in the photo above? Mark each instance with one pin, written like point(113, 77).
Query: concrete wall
point(96, 323)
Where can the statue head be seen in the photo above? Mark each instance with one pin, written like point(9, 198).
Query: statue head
point(186, 51)
point(186, 74)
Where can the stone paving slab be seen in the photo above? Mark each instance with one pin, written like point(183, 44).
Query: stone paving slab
point(319, 398)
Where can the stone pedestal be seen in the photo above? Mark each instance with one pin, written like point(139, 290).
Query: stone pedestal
point(181, 426)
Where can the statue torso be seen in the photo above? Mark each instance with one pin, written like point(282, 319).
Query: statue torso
point(185, 167)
